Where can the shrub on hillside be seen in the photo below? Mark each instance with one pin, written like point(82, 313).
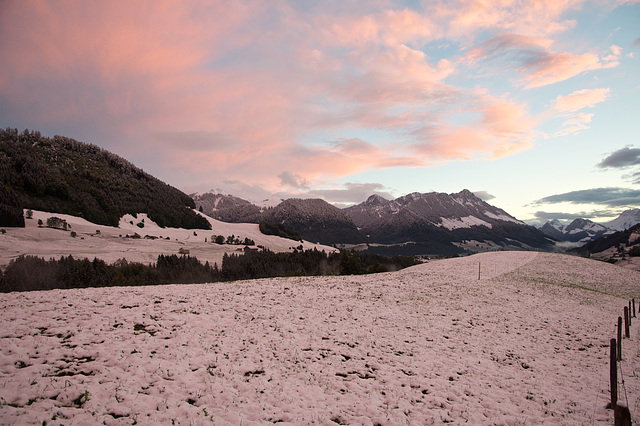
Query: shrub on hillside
point(57, 223)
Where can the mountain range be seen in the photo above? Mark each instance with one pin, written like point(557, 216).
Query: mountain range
point(584, 230)
point(65, 176)
point(619, 247)
point(417, 223)
point(578, 231)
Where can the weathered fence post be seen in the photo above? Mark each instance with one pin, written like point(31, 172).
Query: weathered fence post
point(634, 306)
point(619, 338)
point(629, 313)
point(626, 322)
point(613, 375)
point(621, 416)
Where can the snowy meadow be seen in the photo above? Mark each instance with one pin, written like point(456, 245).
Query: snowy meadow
point(527, 342)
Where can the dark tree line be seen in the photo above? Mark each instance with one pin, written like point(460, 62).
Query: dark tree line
point(28, 273)
point(279, 230)
point(265, 264)
point(62, 175)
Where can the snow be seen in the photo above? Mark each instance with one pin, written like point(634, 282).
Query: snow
point(111, 244)
point(268, 202)
point(463, 222)
point(504, 217)
point(527, 343)
point(626, 220)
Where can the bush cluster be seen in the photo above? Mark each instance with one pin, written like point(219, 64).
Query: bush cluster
point(232, 239)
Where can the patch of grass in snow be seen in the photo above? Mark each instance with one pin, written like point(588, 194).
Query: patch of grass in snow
point(254, 373)
point(563, 284)
point(339, 420)
point(142, 327)
point(80, 400)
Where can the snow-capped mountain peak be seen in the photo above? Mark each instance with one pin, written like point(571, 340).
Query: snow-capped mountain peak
point(626, 220)
point(557, 224)
point(376, 200)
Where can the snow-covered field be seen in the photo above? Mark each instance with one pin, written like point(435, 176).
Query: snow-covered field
point(527, 343)
point(111, 243)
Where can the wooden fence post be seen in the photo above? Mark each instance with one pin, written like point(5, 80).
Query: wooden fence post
point(626, 322)
point(629, 313)
point(634, 306)
point(613, 375)
point(619, 338)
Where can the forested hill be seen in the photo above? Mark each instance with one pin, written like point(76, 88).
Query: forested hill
point(62, 175)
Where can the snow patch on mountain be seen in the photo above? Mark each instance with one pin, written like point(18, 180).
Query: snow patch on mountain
point(504, 217)
point(462, 222)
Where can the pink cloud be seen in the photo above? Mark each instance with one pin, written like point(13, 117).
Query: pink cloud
point(534, 18)
point(497, 128)
point(251, 90)
point(567, 106)
point(124, 60)
point(533, 58)
point(558, 67)
point(580, 99)
point(575, 124)
point(388, 27)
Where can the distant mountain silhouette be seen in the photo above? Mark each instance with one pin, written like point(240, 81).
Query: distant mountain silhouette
point(578, 231)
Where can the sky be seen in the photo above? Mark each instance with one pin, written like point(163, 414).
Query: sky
point(532, 105)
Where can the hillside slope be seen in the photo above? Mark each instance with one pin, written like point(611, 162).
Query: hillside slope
point(110, 243)
point(527, 343)
point(66, 176)
point(227, 208)
point(314, 219)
